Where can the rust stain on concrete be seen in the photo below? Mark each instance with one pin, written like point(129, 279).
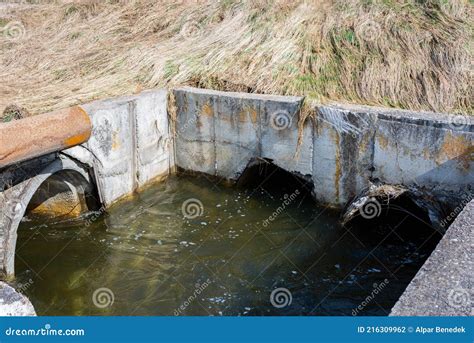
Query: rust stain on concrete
point(383, 141)
point(115, 141)
point(253, 115)
point(57, 209)
point(207, 110)
point(456, 147)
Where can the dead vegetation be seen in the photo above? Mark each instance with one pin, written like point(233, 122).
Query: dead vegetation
point(408, 54)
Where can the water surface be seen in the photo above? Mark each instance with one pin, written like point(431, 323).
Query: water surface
point(225, 258)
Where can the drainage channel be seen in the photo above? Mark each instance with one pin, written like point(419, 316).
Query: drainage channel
point(196, 246)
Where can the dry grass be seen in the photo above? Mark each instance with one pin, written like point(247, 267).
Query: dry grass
point(409, 54)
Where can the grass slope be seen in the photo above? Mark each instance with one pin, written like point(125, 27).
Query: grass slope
point(408, 54)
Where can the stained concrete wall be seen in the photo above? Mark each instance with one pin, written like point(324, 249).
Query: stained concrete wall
point(218, 133)
point(130, 144)
point(428, 151)
point(347, 149)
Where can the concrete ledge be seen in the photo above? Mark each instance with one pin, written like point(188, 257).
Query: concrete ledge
point(444, 284)
point(13, 303)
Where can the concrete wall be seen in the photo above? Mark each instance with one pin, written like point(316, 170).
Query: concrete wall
point(218, 133)
point(130, 144)
point(347, 149)
point(428, 151)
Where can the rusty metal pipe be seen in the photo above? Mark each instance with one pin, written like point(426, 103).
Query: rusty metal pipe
point(31, 137)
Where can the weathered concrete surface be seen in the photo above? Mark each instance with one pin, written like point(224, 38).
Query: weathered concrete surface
point(444, 284)
point(35, 136)
point(349, 149)
point(361, 145)
point(130, 143)
point(13, 303)
point(343, 154)
point(218, 133)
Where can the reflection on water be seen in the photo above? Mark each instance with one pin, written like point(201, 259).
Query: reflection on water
point(190, 246)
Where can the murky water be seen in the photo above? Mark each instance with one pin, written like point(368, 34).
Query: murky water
point(153, 255)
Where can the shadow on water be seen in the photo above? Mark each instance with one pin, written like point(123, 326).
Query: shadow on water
point(195, 246)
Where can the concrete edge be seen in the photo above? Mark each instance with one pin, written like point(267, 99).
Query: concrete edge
point(13, 303)
point(252, 96)
point(458, 122)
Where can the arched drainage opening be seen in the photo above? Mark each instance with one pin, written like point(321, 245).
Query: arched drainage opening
point(195, 246)
point(64, 194)
point(64, 197)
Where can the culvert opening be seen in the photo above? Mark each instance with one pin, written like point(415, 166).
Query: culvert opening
point(256, 249)
point(265, 175)
point(63, 195)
